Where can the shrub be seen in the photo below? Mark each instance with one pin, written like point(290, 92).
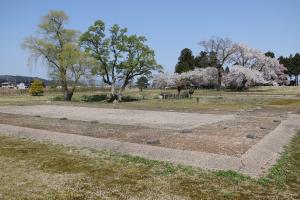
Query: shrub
point(58, 98)
point(184, 94)
point(36, 88)
point(166, 95)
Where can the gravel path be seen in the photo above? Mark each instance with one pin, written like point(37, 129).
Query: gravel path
point(152, 119)
point(254, 162)
point(261, 156)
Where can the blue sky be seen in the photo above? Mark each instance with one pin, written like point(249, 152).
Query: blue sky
point(169, 25)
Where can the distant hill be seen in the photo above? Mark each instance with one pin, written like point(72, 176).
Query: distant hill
point(21, 79)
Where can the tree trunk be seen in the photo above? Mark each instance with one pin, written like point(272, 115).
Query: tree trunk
point(178, 91)
point(122, 89)
point(68, 95)
point(112, 89)
point(64, 84)
point(113, 95)
point(126, 82)
point(219, 78)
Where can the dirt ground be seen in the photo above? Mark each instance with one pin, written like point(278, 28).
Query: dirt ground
point(227, 137)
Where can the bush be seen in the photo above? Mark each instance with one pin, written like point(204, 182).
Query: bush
point(36, 88)
point(184, 94)
point(166, 95)
point(58, 98)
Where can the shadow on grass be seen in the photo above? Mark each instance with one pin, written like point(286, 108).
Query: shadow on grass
point(104, 97)
point(129, 99)
point(94, 98)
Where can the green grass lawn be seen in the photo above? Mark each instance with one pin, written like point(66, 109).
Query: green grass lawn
point(34, 170)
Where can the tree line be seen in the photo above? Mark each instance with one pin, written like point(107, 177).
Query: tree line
point(119, 57)
point(114, 55)
point(188, 62)
point(292, 63)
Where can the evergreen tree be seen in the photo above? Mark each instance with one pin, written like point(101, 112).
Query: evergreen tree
point(186, 61)
point(292, 63)
point(206, 60)
point(202, 60)
point(142, 83)
point(270, 54)
point(213, 60)
point(227, 70)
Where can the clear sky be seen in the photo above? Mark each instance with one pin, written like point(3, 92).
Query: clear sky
point(169, 25)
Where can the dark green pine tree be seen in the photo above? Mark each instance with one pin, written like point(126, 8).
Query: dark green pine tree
point(270, 54)
point(296, 63)
point(292, 63)
point(227, 70)
point(202, 60)
point(142, 83)
point(213, 60)
point(186, 61)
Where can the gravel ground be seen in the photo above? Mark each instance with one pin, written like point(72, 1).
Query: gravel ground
point(223, 137)
point(152, 119)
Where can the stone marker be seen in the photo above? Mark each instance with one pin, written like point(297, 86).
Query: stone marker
point(251, 135)
point(186, 131)
point(153, 141)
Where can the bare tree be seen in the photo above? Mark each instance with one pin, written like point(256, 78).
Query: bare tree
point(223, 48)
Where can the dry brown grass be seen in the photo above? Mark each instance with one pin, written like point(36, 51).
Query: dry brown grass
point(33, 170)
point(209, 100)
